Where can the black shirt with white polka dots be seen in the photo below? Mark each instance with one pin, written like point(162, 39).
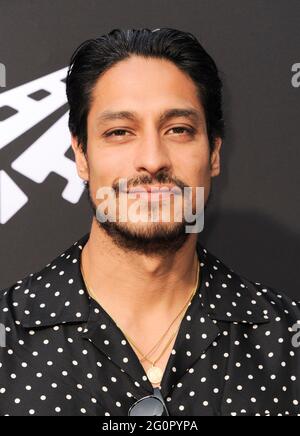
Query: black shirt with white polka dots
point(236, 352)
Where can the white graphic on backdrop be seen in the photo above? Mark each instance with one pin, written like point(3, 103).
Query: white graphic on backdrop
point(27, 105)
point(47, 153)
point(12, 198)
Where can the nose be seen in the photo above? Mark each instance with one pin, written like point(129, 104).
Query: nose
point(151, 155)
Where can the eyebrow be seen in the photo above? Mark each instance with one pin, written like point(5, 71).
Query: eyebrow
point(190, 113)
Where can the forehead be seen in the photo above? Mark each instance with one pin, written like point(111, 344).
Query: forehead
point(143, 85)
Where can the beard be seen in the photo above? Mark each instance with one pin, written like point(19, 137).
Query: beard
point(153, 239)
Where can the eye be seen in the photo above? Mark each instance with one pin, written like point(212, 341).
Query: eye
point(121, 132)
point(117, 131)
point(190, 131)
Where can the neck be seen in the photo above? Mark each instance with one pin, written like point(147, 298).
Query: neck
point(131, 286)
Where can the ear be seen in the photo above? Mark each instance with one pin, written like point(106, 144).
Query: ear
point(215, 165)
point(80, 158)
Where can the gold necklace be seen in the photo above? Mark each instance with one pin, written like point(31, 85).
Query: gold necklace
point(154, 373)
point(155, 347)
point(145, 357)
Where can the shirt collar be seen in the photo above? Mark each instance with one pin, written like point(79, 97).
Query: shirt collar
point(228, 296)
point(57, 294)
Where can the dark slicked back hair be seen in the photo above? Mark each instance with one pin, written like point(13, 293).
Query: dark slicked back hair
point(95, 56)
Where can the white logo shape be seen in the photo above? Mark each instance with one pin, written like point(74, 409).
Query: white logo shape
point(47, 154)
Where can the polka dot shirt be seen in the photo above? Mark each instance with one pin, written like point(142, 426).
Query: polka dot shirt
point(65, 356)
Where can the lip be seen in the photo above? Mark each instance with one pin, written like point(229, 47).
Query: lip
point(151, 189)
point(153, 196)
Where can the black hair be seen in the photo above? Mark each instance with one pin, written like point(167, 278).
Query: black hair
point(95, 56)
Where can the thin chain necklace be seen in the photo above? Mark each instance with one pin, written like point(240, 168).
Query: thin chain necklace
point(145, 357)
point(154, 373)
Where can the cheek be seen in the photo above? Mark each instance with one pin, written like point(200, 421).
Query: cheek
point(196, 167)
point(105, 166)
point(198, 175)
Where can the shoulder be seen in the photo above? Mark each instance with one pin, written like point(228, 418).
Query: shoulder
point(243, 297)
point(283, 312)
point(274, 302)
point(36, 298)
point(15, 298)
point(278, 303)
point(281, 329)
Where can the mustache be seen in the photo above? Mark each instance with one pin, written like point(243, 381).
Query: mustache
point(148, 181)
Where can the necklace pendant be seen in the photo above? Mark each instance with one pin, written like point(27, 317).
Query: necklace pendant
point(155, 374)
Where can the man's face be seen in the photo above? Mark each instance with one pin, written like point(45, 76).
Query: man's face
point(146, 149)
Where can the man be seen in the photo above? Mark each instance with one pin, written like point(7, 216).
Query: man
point(137, 317)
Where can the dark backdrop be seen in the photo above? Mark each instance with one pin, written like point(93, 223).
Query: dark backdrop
point(253, 220)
